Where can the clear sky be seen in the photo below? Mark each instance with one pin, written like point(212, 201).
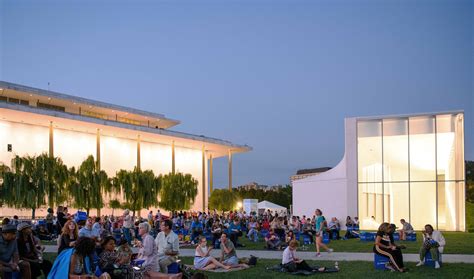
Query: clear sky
point(280, 76)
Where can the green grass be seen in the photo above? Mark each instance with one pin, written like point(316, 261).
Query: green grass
point(356, 269)
point(470, 216)
point(456, 243)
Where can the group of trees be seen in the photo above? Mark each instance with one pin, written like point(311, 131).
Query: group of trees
point(223, 199)
point(470, 181)
point(36, 181)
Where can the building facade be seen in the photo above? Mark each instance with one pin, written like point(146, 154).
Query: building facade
point(35, 121)
point(394, 167)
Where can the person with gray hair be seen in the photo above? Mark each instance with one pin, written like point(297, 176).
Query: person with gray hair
point(147, 251)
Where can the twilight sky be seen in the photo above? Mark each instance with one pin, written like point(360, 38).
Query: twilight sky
point(280, 76)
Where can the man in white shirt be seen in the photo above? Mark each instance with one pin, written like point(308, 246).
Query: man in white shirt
point(167, 243)
point(291, 262)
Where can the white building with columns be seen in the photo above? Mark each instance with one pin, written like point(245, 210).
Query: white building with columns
point(35, 121)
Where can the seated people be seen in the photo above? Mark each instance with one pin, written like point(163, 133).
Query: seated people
point(308, 230)
point(167, 244)
point(147, 250)
point(9, 256)
point(253, 230)
point(334, 227)
point(228, 254)
point(406, 229)
point(30, 250)
point(290, 235)
point(291, 262)
point(76, 263)
point(124, 250)
point(216, 231)
point(196, 229)
point(272, 241)
point(43, 233)
point(235, 230)
point(434, 242)
point(87, 231)
point(384, 247)
point(68, 237)
point(202, 258)
point(111, 260)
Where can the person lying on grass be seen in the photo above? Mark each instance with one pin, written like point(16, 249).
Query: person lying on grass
point(202, 258)
point(292, 263)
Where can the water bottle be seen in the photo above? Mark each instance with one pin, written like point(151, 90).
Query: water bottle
point(336, 265)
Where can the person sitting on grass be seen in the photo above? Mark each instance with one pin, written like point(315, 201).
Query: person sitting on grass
point(272, 241)
point(228, 254)
point(406, 229)
point(291, 263)
point(383, 246)
point(30, 250)
point(111, 260)
point(235, 230)
point(76, 263)
point(253, 230)
point(202, 258)
point(434, 242)
point(9, 256)
point(334, 227)
point(196, 229)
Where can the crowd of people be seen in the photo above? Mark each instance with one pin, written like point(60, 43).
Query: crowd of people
point(102, 246)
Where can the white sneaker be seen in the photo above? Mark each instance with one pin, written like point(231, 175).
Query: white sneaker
point(420, 263)
point(437, 265)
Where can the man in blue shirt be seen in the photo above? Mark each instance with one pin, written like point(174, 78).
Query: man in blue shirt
point(235, 230)
point(196, 229)
point(87, 230)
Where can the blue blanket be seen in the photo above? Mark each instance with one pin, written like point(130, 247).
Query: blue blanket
point(60, 268)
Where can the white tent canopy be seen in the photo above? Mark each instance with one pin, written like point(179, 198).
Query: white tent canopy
point(265, 205)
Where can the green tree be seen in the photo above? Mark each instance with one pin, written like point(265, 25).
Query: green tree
point(178, 191)
point(25, 187)
point(223, 200)
point(114, 204)
point(140, 188)
point(88, 184)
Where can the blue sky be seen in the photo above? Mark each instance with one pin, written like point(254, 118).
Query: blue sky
point(280, 76)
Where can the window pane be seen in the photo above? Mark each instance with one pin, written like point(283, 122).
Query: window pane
point(370, 205)
point(422, 149)
point(450, 159)
point(450, 206)
point(369, 150)
point(395, 149)
point(396, 202)
point(423, 204)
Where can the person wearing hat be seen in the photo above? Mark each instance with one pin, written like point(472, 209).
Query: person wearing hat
point(9, 257)
point(30, 250)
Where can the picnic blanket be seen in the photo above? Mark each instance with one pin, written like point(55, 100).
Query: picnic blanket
point(219, 270)
point(280, 268)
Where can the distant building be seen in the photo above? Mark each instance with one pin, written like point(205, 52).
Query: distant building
point(300, 174)
point(252, 185)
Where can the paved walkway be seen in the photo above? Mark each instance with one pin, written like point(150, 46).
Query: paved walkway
point(336, 256)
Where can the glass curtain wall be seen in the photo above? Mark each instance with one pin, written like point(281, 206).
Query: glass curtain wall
point(412, 168)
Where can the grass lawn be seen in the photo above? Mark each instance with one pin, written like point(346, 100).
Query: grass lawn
point(470, 216)
point(347, 270)
point(456, 243)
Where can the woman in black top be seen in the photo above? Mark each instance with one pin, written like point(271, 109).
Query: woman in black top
point(68, 236)
point(385, 247)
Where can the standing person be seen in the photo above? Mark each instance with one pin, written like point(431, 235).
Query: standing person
point(9, 256)
point(127, 226)
point(167, 243)
point(384, 247)
point(68, 237)
point(61, 218)
point(406, 229)
point(202, 258)
point(30, 250)
point(320, 227)
point(49, 221)
point(434, 242)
